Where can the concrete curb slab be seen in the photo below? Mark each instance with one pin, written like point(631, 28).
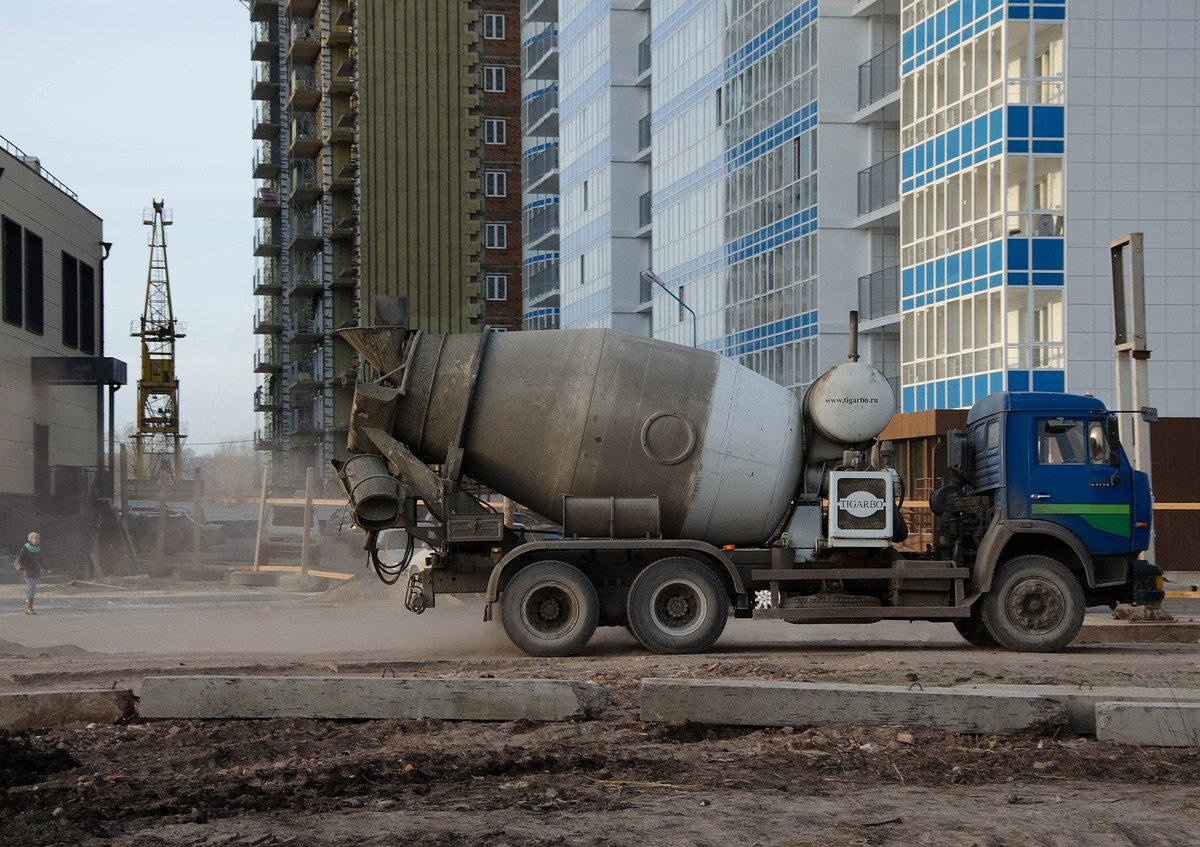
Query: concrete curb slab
point(762, 703)
point(255, 579)
point(1080, 703)
point(349, 697)
point(1138, 633)
point(47, 709)
point(1149, 724)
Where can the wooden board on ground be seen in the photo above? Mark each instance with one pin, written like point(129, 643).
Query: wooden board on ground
point(370, 698)
point(47, 709)
point(765, 703)
point(1149, 724)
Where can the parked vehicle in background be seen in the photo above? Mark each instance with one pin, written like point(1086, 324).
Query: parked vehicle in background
point(283, 534)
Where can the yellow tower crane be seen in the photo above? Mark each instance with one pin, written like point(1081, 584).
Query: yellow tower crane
point(159, 437)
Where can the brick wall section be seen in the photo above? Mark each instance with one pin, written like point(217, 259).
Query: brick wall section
point(504, 53)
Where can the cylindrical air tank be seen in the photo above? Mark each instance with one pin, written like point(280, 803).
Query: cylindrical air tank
point(850, 404)
point(601, 413)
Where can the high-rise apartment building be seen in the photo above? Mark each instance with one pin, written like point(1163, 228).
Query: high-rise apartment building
point(387, 163)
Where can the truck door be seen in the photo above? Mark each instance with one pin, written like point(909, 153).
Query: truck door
point(1079, 480)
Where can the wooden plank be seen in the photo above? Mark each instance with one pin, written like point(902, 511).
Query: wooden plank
point(350, 697)
point(47, 709)
point(1149, 724)
point(769, 703)
point(1081, 703)
point(765, 574)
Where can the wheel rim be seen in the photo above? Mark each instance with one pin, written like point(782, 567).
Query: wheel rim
point(549, 611)
point(679, 607)
point(1036, 605)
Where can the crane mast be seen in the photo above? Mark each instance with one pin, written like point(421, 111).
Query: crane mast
point(159, 438)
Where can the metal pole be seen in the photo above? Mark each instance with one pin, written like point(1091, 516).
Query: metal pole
point(162, 520)
point(1131, 351)
point(112, 438)
point(262, 511)
point(308, 499)
point(653, 277)
point(197, 513)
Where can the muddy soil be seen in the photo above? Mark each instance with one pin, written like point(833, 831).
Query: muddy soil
point(613, 781)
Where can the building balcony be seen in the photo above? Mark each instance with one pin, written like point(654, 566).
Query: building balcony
point(539, 113)
point(266, 400)
point(301, 376)
point(305, 424)
point(306, 273)
point(306, 136)
point(264, 126)
point(343, 15)
point(301, 8)
point(539, 56)
point(306, 328)
point(305, 92)
point(879, 186)
point(879, 294)
point(541, 170)
point(264, 10)
point(339, 33)
point(267, 202)
point(264, 83)
point(265, 164)
point(306, 237)
point(305, 42)
point(268, 361)
point(344, 227)
point(268, 321)
point(268, 437)
point(643, 71)
point(644, 135)
point(267, 281)
point(345, 167)
point(306, 187)
point(541, 228)
point(644, 213)
point(539, 11)
point(879, 76)
point(264, 41)
point(345, 273)
point(267, 241)
point(542, 283)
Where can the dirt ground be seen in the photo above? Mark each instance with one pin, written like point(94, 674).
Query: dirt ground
point(613, 781)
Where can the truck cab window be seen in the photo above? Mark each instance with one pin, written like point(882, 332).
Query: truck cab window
point(1061, 442)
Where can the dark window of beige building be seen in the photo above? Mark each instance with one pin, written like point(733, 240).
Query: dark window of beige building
point(70, 301)
point(11, 265)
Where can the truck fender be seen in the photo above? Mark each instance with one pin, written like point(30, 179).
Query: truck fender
point(997, 539)
point(667, 546)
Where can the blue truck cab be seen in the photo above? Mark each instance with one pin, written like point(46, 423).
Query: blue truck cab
point(1048, 514)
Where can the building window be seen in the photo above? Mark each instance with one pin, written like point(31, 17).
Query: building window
point(493, 78)
point(495, 236)
point(70, 301)
point(495, 184)
point(495, 286)
point(493, 27)
point(582, 272)
point(585, 195)
point(13, 272)
point(87, 308)
point(497, 328)
point(494, 131)
point(34, 283)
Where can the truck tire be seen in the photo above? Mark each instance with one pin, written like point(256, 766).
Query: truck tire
point(974, 630)
point(550, 609)
point(677, 605)
point(1036, 605)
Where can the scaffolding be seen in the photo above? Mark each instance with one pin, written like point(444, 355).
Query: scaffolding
point(159, 438)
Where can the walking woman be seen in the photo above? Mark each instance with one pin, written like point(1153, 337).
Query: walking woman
point(27, 563)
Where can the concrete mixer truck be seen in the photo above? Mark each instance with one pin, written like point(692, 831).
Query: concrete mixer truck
point(685, 488)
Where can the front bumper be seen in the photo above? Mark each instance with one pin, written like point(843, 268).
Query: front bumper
point(1148, 584)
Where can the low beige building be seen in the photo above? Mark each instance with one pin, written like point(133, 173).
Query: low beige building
point(54, 448)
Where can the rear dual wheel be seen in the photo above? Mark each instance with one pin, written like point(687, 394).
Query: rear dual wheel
point(550, 609)
point(677, 605)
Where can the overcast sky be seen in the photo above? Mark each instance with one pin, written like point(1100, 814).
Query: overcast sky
point(126, 101)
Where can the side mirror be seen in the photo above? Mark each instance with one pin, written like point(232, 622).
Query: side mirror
point(1149, 414)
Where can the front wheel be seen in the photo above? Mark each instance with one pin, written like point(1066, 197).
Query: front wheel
point(1036, 605)
point(550, 609)
point(677, 605)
